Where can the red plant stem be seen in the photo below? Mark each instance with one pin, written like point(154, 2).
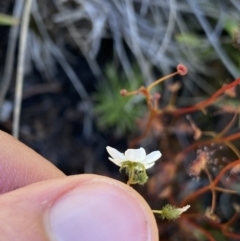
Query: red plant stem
point(135, 141)
point(222, 227)
point(194, 195)
point(226, 168)
point(228, 138)
point(214, 140)
point(204, 231)
point(232, 235)
point(230, 221)
point(208, 101)
point(210, 186)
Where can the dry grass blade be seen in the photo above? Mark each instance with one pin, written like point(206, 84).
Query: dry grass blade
point(8, 70)
point(213, 39)
point(56, 52)
point(73, 31)
point(20, 67)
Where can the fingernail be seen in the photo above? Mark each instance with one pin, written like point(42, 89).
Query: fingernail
point(98, 211)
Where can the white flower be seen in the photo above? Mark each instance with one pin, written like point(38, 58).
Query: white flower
point(133, 155)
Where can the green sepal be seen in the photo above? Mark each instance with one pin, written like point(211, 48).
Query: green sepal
point(136, 172)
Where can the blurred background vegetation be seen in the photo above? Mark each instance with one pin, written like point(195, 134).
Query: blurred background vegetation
point(80, 54)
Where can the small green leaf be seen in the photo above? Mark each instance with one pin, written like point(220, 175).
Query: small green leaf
point(189, 39)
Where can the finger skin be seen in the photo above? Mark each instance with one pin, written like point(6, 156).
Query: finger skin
point(24, 212)
point(21, 166)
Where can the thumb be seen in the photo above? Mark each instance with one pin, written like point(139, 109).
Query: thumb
point(83, 207)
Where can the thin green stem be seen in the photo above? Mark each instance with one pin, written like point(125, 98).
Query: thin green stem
point(160, 80)
point(157, 211)
point(131, 177)
point(219, 189)
point(212, 190)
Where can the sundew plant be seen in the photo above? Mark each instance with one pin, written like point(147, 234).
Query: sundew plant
point(200, 176)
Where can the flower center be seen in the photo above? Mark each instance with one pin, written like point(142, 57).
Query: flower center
point(136, 172)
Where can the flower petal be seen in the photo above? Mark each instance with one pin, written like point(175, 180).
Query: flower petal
point(152, 157)
point(115, 161)
point(117, 156)
point(149, 165)
point(135, 155)
point(184, 209)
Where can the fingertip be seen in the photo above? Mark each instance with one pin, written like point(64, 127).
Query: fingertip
point(101, 209)
point(81, 207)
